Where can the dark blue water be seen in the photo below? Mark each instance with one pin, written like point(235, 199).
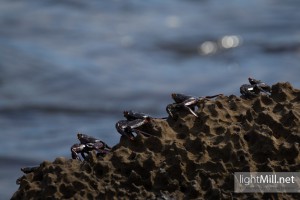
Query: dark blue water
point(74, 66)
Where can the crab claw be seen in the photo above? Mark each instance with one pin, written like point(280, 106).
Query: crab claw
point(127, 127)
point(169, 110)
point(75, 149)
point(123, 129)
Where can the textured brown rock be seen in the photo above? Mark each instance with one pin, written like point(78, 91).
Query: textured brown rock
point(189, 157)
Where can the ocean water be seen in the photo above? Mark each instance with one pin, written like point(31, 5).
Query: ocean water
point(73, 66)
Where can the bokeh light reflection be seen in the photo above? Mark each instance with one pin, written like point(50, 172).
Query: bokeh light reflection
point(231, 41)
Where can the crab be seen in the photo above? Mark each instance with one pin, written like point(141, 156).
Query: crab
point(187, 102)
point(26, 170)
point(88, 144)
point(133, 121)
point(255, 88)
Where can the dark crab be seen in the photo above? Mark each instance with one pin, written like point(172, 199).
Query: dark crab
point(133, 121)
point(186, 102)
point(255, 88)
point(88, 144)
point(26, 170)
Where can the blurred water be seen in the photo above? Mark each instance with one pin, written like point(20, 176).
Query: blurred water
point(70, 66)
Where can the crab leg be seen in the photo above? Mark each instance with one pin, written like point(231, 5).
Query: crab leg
point(262, 90)
point(141, 132)
point(213, 96)
point(191, 111)
point(189, 105)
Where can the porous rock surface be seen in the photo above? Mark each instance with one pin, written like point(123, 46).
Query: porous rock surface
point(188, 157)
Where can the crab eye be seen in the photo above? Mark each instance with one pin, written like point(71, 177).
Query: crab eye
point(173, 95)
